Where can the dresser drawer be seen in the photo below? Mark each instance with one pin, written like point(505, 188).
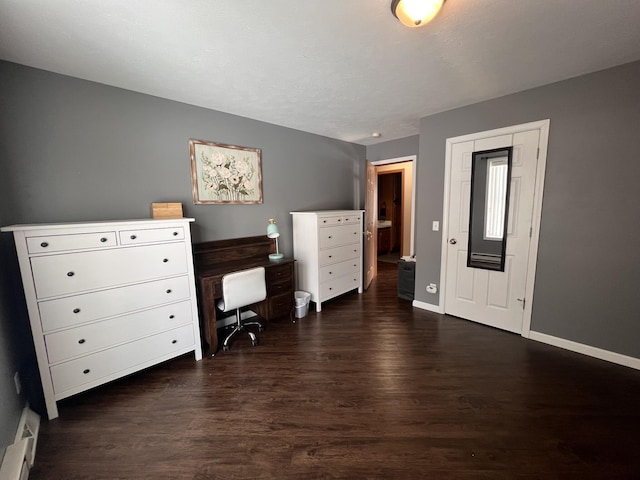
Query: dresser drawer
point(334, 236)
point(348, 267)
point(338, 254)
point(338, 286)
point(76, 272)
point(89, 338)
point(329, 221)
point(351, 219)
point(79, 241)
point(92, 368)
point(69, 311)
point(150, 235)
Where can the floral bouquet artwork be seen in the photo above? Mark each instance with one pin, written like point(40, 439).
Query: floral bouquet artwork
point(225, 173)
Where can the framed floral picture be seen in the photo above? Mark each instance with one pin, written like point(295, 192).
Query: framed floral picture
point(225, 173)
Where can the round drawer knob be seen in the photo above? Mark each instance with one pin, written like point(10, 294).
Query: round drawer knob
point(133, 237)
point(103, 239)
point(175, 234)
point(169, 290)
point(330, 236)
point(172, 317)
point(76, 310)
point(70, 274)
point(44, 244)
point(330, 256)
point(86, 370)
point(165, 260)
point(81, 341)
point(174, 341)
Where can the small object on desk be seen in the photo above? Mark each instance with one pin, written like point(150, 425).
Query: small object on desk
point(272, 232)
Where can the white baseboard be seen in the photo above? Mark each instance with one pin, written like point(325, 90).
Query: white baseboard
point(599, 353)
point(19, 456)
point(428, 306)
point(588, 350)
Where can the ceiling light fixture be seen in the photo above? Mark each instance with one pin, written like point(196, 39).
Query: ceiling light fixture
point(415, 13)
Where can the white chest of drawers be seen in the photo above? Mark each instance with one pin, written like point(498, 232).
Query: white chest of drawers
point(327, 246)
point(106, 299)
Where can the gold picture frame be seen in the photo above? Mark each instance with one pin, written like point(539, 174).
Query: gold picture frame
point(225, 173)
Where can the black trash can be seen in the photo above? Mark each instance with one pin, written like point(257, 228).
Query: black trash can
point(406, 279)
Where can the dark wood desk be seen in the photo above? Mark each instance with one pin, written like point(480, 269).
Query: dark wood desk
point(214, 259)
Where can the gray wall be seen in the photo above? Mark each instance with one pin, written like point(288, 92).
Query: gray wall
point(402, 147)
point(13, 357)
point(76, 150)
point(73, 150)
point(588, 271)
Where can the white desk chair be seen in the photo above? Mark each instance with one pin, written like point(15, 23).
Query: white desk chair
point(240, 289)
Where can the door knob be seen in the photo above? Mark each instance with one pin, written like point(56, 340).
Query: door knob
point(453, 241)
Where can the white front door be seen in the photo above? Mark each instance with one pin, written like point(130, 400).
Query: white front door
point(495, 298)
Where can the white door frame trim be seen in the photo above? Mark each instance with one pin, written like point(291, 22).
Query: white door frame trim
point(543, 126)
point(412, 159)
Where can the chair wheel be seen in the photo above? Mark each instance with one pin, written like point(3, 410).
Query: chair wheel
point(261, 329)
point(254, 343)
point(225, 348)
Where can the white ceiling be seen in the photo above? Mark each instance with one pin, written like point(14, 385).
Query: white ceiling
point(339, 68)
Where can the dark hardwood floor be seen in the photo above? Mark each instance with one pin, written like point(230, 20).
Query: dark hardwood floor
point(370, 388)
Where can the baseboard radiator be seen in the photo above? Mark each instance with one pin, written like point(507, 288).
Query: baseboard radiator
point(20, 455)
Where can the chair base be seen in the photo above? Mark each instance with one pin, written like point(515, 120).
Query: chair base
point(239, 327)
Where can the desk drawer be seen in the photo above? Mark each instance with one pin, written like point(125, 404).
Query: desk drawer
point(280, 305)
point(92, 368)
point(279, 279)
point(279, 273)
point(97, 336)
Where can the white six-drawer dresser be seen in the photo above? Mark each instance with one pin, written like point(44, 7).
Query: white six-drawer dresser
point(327, 246)
point(106, 299)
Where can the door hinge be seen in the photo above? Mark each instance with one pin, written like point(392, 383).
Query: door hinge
point(530, 232)
point(538, 154)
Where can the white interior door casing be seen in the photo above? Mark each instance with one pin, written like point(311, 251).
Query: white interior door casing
point(370, 226)
point(490, 297)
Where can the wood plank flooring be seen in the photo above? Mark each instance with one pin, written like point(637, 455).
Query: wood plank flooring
point(370, 388)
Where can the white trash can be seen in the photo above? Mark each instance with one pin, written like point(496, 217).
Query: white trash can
point(302, 303)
